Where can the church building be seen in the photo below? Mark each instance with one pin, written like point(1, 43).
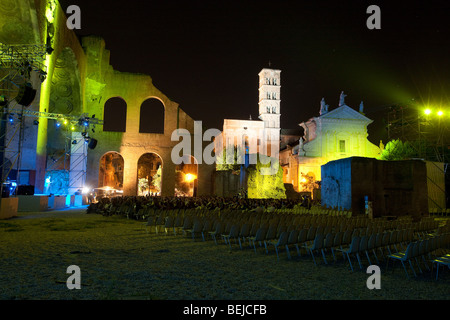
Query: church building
point(260, 136)
point(334, 134)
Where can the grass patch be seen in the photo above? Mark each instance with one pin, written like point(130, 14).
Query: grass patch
point(10, 227)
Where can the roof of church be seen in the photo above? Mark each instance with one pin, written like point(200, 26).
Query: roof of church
point(345, 112)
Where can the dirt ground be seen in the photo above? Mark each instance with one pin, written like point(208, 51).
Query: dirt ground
point(120, 259)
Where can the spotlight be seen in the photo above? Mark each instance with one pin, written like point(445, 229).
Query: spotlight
point(86, 123)
point(440, 113)
point(92, 143)
point(58, 124)
point(427, 111)
point(26, 95)
point(10, 118)
point(35, 122)
point(74, 142)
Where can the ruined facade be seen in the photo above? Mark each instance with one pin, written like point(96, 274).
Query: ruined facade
point(79, 80)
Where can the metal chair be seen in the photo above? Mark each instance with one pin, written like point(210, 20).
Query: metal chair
point(317, 245)
point(405, 256)
point(352, 249)
point(282, 241)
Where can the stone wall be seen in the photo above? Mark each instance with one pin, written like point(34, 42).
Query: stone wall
point(396, 188)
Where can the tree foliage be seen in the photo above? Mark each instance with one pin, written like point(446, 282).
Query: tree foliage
point(265, 186)
point(397, 150)
point(308, 183)
point(156, 179)
point(226, 163)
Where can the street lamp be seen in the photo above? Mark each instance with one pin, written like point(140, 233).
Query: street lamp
point(190, 178)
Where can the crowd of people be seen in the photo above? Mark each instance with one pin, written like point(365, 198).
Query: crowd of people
point(201, 202)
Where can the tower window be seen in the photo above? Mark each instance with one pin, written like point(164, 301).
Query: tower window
point(267, 81)
point(268, 95)
point(274, 81)
point(274, 96)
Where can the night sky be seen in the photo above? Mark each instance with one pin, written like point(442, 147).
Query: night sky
point(206, 55)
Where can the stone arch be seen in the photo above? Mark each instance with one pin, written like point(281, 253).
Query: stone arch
point(149, 174)
point(115, 115)
point(111, 169)
point(152, 116)
point(186, 177)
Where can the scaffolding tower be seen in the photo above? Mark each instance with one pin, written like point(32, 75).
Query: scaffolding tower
point(17, 65)
point(427, 133)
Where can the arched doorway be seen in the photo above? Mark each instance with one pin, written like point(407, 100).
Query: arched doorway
point(110, 180)
point(149, 174)
point(186, 177)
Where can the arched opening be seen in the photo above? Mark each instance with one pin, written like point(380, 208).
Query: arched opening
point(152, 116)
point(186, 177)
point(115, 115)
point(149, 174)
point(110, 180)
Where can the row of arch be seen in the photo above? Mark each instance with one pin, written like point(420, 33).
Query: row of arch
point(149, 174)
point(151, 120)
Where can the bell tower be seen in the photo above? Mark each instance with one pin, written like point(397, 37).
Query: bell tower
point(269, 104)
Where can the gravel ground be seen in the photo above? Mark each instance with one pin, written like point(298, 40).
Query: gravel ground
point(119, 259)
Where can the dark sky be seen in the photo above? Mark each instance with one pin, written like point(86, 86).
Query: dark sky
point(206, 55)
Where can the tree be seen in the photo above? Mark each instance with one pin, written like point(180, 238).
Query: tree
point(143, 185)
point(397, 150)
point(265, 186)
point(226, 165)
point(156, 179)
point(308, 183)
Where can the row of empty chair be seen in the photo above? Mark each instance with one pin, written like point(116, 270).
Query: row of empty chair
point(421, 250)
point(440, 211)
point(355, 237)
